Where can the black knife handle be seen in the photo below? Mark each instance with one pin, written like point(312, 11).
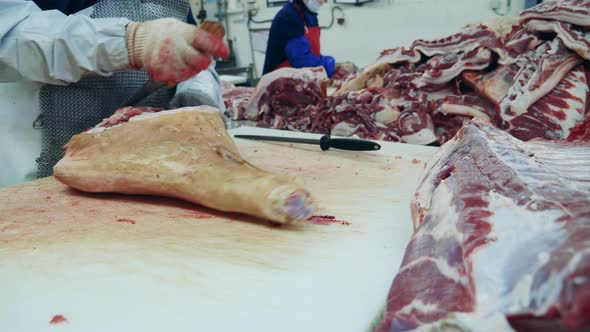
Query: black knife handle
point(348, 144)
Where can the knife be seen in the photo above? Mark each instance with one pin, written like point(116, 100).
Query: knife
point(146, 90)
point(325, 142)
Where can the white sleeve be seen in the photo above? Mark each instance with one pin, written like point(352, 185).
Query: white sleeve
point(50, 47)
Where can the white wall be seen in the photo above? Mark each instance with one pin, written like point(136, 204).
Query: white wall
point(378, 25)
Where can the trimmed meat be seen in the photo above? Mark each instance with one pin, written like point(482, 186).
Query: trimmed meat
point(184, 153)
point(543, 70)
point(569, 11)
point(502, 228)
point(552, 116)
point(236, 101)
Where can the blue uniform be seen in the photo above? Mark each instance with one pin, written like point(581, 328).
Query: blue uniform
point(287, 41)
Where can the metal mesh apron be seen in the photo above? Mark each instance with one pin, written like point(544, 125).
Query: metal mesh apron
point(69, 110)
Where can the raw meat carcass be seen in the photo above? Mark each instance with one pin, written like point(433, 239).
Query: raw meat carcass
point(553, 115)
point(492, 85)
point(450, 113)
point(443, 68)
point(575, 38)
point(581, 132)
point(520, 40)
point(236, 101)
point(502, 230)
point(184, 153)
point(464, 41)
point(543, 70)
point(570, 11)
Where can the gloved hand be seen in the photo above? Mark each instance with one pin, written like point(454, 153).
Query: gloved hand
point(170, 50)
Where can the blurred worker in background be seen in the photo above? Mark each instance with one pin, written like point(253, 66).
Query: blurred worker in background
point(294, 39)
point(92, 56)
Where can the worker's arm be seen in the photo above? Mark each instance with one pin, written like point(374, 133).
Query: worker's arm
point(50, 47)
point(299, 53)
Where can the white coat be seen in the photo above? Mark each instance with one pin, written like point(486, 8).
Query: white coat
point(47, 47)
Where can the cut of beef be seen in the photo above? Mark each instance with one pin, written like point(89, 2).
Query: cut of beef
point(574, 37)
point(443, 68)
point(343, 73)
point(553, 115)
point(464, 41)
point(502, 228)
point(493, 85)
point(236, 101)
point(520, 40)
point(450, 113)
point(569, 11)
point(543, 70)
point(285, 92)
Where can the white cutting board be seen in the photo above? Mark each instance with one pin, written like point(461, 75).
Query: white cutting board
point(124, 263)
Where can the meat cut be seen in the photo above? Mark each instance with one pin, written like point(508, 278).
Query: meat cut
point(236, 101)
point(502, 230)
point(557, 112)
point(285, 92)
point(576, 38)
point(184, 153)
point(569, 11)
point(443, 68)
point(492, 85)
point(544, 68)
point(464, 41)
point(343, 73)
point(520, 73)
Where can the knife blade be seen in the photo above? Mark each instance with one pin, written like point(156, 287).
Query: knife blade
point(146, 90)
point(325, 142)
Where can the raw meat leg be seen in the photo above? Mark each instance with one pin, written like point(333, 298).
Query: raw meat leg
point(184, 153)
point(502, 228)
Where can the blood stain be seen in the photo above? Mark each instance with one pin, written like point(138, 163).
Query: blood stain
point(415, 161)
point(58, 319)
point(326, 220)
point(129, 221)
point(397, 157)
point(386, 168)
point(190, 214)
